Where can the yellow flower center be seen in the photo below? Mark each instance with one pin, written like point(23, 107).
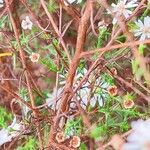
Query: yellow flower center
point(146, 30)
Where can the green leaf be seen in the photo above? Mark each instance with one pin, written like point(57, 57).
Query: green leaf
point(31, 144)
point(49, 63)
point(83, 147)
point(141, 48)
point(98, 131)
point(103, 33)
point(5, 117)
point(52, 6)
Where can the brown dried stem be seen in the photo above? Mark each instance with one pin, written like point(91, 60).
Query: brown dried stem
point(22, 56)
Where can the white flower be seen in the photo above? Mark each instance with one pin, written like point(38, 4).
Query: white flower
point(139, 139)
point(26, 23)
point(122, 8)
point(143, 28)
point(51, 101)
point(99, 92)
point(67, 2)
point(34, 57)
point(6, 135)
point(84, 93)
point(1, 3)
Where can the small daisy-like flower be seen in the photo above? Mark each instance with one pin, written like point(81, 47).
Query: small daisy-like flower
point(122, 8)
point(75, 142)
point(143, 28)
point(112, 90)
point(34, 57)
point(1, 3)
point(139, 139)
point(114, 71)
point(26, 23)
point(127, 103)
point(60, 137)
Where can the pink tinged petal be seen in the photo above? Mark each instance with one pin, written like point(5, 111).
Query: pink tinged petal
point(100, 101)
point(139, 127)
point(113, 5)
point(114, 21)
point(71, 1)
point(115, 10)
point(30, 26)
point(140, 24)
point(135, 137)
point(127, 14)
point(83, 105)
point(137, 33)
point(84, 100)
point(124, 1)
point(24, 25)
point(93, 102)
point(130, 146)
point(1, 5)
point(136, 124)
point(79, 1)
point(147, 21)
point(147, 122)
point(143, 37)
point(27, 18)
point(131, 4)
point(4, 136)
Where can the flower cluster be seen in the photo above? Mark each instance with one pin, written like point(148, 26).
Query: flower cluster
point(101, 89)
point(122, 8)
point(74, 142)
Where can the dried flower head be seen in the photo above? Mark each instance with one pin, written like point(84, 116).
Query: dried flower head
point(26, 23)
point(112, 90)
point(114, 71)
point(60, 137)
point(34, 57)
point(128, 103)
point(75, 142)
